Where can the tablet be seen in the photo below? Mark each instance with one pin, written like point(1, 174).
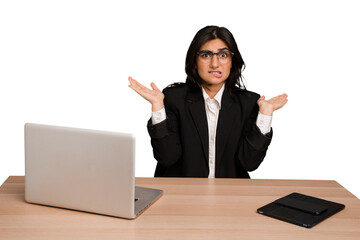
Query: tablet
point(300, 209)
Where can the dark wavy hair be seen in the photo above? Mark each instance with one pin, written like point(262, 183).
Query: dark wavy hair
point(235, 79)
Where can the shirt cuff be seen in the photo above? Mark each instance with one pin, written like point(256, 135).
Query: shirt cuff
point(158, 116)
point(264, 123)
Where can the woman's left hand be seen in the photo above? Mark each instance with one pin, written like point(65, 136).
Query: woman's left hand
point(267, 107)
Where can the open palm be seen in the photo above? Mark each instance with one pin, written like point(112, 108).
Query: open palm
point(267, 107)
point(154, 96)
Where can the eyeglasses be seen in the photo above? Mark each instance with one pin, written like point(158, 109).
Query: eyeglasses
point(224, 56)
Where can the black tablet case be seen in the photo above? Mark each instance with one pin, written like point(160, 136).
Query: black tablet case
point(302, 210)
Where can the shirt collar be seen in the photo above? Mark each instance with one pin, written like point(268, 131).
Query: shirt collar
point(217, 97)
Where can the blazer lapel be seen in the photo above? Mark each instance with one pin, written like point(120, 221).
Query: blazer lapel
point(197, 111)
point(224, 126)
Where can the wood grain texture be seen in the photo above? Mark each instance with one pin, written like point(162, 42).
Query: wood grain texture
point(189, 209)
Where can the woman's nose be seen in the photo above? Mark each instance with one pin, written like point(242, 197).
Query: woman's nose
point(214, 63)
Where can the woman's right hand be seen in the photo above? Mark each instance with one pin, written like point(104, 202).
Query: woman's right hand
point(155, 96)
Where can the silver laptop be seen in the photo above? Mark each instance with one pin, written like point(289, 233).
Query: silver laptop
point(86, 170)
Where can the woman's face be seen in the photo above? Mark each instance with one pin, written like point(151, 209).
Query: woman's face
point(213, 72)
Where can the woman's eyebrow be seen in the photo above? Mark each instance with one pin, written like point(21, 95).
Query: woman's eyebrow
point(219, 50)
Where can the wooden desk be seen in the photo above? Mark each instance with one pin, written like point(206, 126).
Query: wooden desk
point(189, 209)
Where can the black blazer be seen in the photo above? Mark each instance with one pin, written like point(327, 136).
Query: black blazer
point(181, 142)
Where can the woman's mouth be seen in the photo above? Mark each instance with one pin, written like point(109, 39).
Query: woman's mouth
point(216, 74)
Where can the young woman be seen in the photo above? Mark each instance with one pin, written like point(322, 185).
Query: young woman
point(209, 126)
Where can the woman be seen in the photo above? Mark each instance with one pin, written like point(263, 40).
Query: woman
point(209, 126)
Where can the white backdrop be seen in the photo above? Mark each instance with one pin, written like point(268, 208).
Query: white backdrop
point(67, 62)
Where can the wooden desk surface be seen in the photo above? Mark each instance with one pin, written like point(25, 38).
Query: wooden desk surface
point(189, 209)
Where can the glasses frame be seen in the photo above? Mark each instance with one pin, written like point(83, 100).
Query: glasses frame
point(215, 53)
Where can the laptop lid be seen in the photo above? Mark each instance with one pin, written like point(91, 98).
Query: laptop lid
point(81, 169)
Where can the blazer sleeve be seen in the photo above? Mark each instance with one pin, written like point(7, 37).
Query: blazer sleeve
point(165, 138)
point(253, 144)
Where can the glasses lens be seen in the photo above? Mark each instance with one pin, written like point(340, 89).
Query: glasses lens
point(224, 56)
point(206, 56)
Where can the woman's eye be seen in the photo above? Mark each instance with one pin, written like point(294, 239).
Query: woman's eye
point(205, 55)
point(224, 55)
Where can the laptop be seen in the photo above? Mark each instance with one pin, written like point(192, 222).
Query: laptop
point(300, 209)
point(85, 170)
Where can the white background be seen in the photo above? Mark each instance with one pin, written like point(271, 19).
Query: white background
point(67, 62)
